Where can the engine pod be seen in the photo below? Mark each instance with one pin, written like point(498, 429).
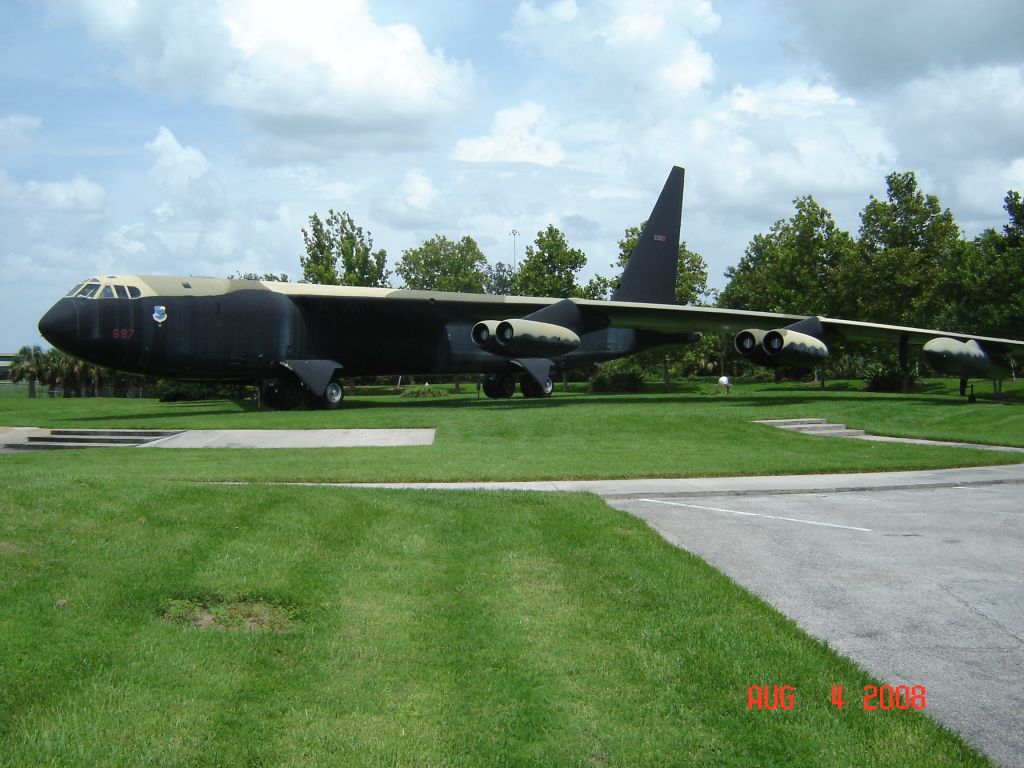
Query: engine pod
point(530, 338)
point(786, 347)
point(962, 358)
point(748, 345)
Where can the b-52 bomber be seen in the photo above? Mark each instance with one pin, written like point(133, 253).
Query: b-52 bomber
point(298, 341)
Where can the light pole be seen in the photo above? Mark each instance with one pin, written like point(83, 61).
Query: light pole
point(514, 233)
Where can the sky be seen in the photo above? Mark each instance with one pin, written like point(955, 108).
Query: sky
point(197, 136)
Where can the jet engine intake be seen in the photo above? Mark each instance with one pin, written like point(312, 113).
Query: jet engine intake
point(786, 347)
point(524, 338)
point(483, 335)
point(748, 344)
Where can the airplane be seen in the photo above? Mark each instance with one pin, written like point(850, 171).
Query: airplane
point(298, 341)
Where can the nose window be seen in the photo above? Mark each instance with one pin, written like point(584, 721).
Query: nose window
point(107, 292)
point(122, 292)
point(134, 292)
point(75, 290)
point(89, 290)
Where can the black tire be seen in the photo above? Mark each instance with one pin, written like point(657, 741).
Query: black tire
point(506, 386)
point(499, 386)
point(532, 389)
point(333, 396)
point(281, 394)
point(491, 386)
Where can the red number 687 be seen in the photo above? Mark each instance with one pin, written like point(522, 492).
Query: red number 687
point(124, 333)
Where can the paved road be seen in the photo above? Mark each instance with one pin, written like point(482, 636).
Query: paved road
point(920, 586)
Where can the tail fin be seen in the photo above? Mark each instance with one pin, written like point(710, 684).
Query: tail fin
point(650, 275)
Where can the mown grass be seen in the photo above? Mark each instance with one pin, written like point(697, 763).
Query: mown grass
point(700, 432)
point(424, 629)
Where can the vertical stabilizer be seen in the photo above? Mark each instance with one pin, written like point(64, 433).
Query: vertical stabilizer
point(650, 275)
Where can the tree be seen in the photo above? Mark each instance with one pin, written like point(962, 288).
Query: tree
point(982, 291)
point(27, 365)
point(906, 242)
point(443, 265)
point(267, 277)
point(550, 266)
point(339, 242)
point(794, 267)
point(691, 272)
point(598, 288)
point(498, 279)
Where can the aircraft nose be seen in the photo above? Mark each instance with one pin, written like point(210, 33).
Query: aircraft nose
point(59, 325)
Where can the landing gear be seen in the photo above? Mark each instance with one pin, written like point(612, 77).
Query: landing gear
point(499, 386)
point(531, 388)
point(282, 394)
point(332, 397)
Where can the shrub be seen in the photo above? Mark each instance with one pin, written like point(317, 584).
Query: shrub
point(426, 391)
point(618, 376)
point(886, 378)
point(181, 391)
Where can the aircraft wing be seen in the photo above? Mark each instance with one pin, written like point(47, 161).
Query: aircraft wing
point(664, 318)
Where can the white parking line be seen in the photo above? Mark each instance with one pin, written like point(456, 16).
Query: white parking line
point(756, 514)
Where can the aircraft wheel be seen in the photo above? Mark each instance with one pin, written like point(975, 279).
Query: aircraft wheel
point(532, 389)
point(281, 394)
point(491, 386)
point(506, 386)
point(333, 396)
point(499, 386)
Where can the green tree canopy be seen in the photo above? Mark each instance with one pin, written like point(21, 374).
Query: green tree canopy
point(29, 365)
point(441, 264)
point(550, 266)
point(339, 252)
point(983, 291)
point(498, 281)
point(906, 243)
point(793, 268)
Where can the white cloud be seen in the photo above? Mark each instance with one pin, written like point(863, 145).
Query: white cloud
point(78, 194)
point(515, 138)
point(283, 64)
point(635, 28)
point(692, 69)
point(794, 98)
point(120, 240)
point(528, 14)
point(16, 129)
point(176, 167)
point(417, 191)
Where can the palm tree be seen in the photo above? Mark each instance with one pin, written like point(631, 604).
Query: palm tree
point(27, 366)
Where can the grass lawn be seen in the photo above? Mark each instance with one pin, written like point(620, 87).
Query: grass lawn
point(146, 619)
point(396, 628)
point(698, 432)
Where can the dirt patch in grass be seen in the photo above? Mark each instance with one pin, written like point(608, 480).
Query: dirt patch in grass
point(238, 614)
point(9, 546)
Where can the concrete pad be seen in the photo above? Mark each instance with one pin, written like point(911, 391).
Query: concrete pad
point(17, 435)
point(921, 586)
point(295, 438)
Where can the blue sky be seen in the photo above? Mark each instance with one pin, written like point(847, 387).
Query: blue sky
point(197, 137)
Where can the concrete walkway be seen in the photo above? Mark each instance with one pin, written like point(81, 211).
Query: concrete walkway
point(760, 486)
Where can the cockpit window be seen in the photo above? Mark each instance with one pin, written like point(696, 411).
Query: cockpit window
point(134, 292)
point(122, 292)
point(89, 290)
point(75, 290)
point(107, 292)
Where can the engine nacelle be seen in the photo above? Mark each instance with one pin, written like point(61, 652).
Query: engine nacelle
point(483, 335)
point(524, 338)
point(786, 347)
point(962, 358)
point(748, 344)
